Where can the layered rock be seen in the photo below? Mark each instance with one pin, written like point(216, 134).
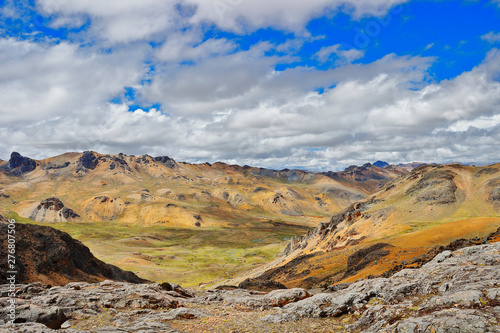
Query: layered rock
point(436, 187)
point(56, 307)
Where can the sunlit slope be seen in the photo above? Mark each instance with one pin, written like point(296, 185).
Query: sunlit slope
point(433, 205)
point(160, 191)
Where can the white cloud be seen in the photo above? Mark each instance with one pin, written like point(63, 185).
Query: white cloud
point(117, 21)
point(491, 37)
point(276, 120)
point(128, 20)
point(220, 102)
point(40, 81)
point(343, 56)
point(188, 46)
point(241, 15)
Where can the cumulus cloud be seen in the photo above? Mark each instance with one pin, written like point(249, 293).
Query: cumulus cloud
point(220, 101)
point(343, 56)
point(491, 37)
point(127, 21)
point(43, 81)
point(374, 111)
point(241, 15)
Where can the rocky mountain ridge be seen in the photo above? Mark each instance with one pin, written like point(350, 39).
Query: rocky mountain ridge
point(159, 190)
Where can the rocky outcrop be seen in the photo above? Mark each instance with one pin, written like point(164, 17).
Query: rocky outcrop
point(494, 189)
point(88, 161)
point(435, 187)
point(457, 291)
point(19, 165)
point(53, 210)
point(52, 256)
point(252, 299)
point(130, 307)
point(54, 166)
point(349, 215)
point(167, 161)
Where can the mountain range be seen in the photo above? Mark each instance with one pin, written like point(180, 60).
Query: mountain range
point(369, 245)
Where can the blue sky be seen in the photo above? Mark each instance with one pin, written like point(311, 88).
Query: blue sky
point(317, 85)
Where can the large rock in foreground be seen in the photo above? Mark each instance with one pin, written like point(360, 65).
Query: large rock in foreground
point(54, 306)
point(51, 256)
point(455, 292)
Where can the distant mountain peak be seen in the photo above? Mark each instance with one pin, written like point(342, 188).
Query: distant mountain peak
point(381, 164)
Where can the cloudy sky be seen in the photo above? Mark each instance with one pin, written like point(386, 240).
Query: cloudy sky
point(317, 84)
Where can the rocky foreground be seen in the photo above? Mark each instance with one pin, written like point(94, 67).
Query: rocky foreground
point(456, 292)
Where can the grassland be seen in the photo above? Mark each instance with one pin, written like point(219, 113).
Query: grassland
point(200, 257)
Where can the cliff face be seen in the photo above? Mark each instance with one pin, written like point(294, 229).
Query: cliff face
point(51, 256)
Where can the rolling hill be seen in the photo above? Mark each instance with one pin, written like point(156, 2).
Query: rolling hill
point(432, 206)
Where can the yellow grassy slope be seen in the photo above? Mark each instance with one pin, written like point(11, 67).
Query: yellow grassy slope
point(411, 214)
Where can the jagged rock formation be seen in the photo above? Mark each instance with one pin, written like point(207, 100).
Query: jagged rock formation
point(169, 162)
point(455, 292)
point(18, 165)
point(54, 257)
point(53, 210)
point(88, 161)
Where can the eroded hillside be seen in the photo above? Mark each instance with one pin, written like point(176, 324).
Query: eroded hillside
point(431, 206)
